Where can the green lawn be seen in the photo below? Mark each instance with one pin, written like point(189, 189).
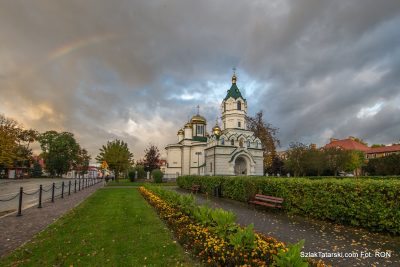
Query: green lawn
point(126, 182)
point(114, 227)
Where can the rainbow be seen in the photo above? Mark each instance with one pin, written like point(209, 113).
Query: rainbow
point(78, 44)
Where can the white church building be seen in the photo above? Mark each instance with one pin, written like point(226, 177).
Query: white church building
point(230, 149)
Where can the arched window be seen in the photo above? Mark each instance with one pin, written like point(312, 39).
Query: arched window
point(232, 142)
point(239, 105)
point(222, 141)
point(248, 143)
point(200, 130)
point(257, 144)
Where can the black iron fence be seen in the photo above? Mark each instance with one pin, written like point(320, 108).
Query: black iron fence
point(49, 193)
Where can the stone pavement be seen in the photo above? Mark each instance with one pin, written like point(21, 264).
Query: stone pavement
point(320, 236)
point(15, 231)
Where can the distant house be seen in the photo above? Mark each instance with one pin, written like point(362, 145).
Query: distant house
point(377, 152)
point(350, 143)
point(92, 172)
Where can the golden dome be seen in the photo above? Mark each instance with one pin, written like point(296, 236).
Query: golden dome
point(216, 130)
point(197, 119)
point(180, 131)
point(188, 125)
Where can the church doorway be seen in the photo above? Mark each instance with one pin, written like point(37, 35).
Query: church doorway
point(240, 166)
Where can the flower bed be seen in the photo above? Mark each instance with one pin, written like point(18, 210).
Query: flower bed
point(212, 246)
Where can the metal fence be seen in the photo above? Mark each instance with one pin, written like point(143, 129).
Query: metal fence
point(49, 193)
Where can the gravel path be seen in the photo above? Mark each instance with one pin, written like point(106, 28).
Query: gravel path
point(320, 236)
point(15, 231)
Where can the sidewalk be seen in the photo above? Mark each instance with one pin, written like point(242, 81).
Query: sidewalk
point(15, 231)
point(320, 236)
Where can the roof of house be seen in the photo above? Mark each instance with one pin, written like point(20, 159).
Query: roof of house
point(348, 144)
point(383, 149)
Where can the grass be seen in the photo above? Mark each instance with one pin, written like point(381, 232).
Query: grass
point(126, 182)
point(114, 227)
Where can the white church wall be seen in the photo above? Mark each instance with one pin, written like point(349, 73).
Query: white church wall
point(186, 160)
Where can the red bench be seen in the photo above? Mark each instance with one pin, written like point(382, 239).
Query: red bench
point(268, 201)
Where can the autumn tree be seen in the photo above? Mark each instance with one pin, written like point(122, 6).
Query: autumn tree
point(82, 161)
point(151, 160)
point(14, 144)
point(117, 155)
point(267, 134)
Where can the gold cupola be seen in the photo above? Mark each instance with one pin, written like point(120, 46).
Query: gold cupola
point(188, 125)
point(216, 130)
point(181, 132)
point(197, 119)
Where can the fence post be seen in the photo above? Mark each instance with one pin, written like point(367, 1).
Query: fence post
point(21, 191)
point(62, 189)
point(69, 188)
point(40, 196)
point(52, 192)
point(75, 187)
point(79, 188)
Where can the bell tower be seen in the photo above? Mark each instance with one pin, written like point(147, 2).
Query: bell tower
point(234, 107)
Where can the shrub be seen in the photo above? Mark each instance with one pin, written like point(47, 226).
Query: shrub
point(157, 175)
point(369, 203)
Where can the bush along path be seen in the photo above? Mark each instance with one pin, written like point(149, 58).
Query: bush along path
point(363, 248)
point(369, 203)
point(214, 238)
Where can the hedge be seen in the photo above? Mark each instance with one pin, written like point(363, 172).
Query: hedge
point(370, 203)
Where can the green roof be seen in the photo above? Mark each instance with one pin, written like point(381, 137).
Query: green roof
point(234, 92)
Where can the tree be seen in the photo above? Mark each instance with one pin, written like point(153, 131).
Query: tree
point(151, 160)
point(14, 144)
point(267, 134)
point(277, 165)
point(117, 156)
point(82, 161)
point(140, 171)
point(354, 161)
point(295, 158)
point(36, 170)
point(388, 165)
point(8, 147)
point(377, 145)
point(60, 151)
point(335, 159)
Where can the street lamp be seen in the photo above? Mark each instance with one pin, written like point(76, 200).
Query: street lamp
point(198, 162)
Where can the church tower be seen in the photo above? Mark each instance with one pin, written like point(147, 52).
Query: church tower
point(234, 108)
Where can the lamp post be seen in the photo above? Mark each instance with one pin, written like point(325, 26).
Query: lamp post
point(198, 162)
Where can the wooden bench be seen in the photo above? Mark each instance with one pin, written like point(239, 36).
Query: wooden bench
point(268, 201)
point(195, 188)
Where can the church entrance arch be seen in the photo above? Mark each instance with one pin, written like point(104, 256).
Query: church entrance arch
point(240, 166)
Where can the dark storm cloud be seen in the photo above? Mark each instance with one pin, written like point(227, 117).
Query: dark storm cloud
point(136, 69)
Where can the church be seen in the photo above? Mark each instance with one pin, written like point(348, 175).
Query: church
point(230, 149)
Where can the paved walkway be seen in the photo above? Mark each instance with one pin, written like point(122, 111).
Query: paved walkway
point(15, 231)
point(320, 236)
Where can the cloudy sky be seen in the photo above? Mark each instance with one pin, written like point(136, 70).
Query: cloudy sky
point(135, 70)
